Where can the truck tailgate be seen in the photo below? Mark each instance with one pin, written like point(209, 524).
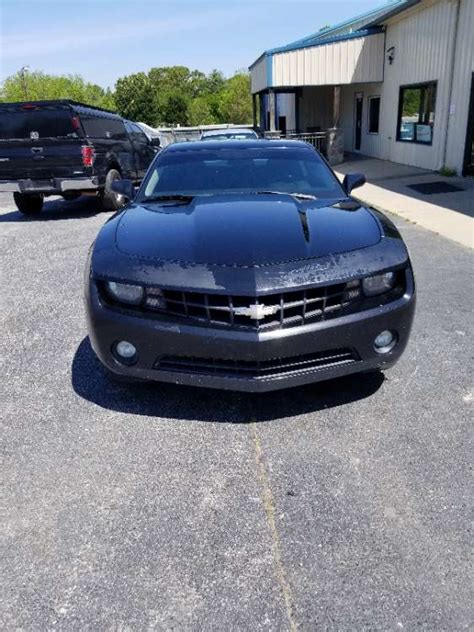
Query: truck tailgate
point(41, 159)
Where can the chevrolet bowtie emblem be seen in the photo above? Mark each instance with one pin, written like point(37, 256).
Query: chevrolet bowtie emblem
point(256, 311)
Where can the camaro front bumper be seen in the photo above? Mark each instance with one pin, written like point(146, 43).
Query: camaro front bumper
point(248, 361)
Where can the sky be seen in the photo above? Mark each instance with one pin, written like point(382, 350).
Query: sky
point(106, 39)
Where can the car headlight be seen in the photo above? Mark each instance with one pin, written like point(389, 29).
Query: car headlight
point(125, 292)
point(378, 284)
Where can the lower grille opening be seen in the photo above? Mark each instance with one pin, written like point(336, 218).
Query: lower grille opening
point(256, 368)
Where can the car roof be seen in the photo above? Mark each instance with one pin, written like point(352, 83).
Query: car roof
point(227, 130)
point(258, 143)
point(55, 103)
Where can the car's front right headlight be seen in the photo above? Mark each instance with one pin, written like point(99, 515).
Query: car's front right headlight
point(125, 292)
point(379, 283)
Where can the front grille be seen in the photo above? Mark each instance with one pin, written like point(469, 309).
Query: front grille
point(288, 309)
point(257, 368)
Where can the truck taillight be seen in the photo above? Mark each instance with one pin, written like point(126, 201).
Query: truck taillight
point(88, 155)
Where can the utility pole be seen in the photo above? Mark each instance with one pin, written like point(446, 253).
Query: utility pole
point(23, 71)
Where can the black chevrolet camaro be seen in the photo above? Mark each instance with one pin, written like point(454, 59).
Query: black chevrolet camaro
point(246, 265)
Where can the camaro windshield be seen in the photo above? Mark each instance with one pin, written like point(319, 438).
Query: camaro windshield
point(243, 170)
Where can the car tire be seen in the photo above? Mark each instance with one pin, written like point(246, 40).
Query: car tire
point(70, 196)
point(111, 201)
point(28, 204)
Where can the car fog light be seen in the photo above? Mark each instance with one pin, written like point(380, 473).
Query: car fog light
point(125, 351)
point(385, 341)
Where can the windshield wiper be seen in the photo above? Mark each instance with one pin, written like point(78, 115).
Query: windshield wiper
point(185, 199)
point(298, 196)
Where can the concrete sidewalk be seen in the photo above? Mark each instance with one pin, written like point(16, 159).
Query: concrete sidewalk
point(448, 214)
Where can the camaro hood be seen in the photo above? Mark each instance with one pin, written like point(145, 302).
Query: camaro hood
point(244, 231)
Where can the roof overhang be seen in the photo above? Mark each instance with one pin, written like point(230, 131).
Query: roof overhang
point(343, 59)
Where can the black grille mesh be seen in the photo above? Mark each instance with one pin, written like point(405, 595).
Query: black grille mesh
point(288, 309)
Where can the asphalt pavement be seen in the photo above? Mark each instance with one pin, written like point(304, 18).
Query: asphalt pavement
point(340, 506)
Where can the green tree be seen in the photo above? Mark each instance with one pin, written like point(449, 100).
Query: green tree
point(214, 82)
point(235, 102)
point(174, 110)
point(134, 98)
point(37, 85)
point(202, 111)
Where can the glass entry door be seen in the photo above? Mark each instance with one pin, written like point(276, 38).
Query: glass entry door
point(469, 154)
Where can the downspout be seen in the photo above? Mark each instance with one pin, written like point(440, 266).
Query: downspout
point(451, 81)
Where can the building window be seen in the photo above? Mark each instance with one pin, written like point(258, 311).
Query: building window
point(416, 113)
point(374, 115)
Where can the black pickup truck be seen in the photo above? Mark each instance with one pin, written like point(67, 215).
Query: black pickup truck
point(67, 148)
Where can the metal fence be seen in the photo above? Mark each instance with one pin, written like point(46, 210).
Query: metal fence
point(317, 139)
point(169, 135)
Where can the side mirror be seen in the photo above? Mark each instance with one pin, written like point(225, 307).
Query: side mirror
point(123, 187)
point(353, 181)
point(155, 141)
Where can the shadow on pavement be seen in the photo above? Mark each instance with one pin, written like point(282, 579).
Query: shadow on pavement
point(398, 178)
point(92, 382)
point(58, 210)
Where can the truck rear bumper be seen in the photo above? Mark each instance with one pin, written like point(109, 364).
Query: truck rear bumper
point(53, 186)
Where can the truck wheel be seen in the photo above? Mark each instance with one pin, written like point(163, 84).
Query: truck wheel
point(28, 204)
point(112, 201)
point(69, 196)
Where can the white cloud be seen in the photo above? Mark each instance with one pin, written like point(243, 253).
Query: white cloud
point(79, 37)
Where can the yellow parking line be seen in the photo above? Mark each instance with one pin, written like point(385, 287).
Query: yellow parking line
point(269, 507)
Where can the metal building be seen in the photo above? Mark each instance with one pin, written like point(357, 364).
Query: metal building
point(396, 83)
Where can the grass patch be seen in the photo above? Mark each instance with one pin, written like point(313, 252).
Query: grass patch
point(447, 172)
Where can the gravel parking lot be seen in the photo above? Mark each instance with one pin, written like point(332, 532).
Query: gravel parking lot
point(337, 506)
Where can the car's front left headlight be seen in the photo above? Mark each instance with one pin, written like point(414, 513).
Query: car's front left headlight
point(379, 283)
point(125, 292)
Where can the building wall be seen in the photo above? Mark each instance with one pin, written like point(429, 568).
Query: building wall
point(423, 38)
point(258, 75)
point(462, 77)
point(427, 48)
point(286, 107)
point(355, 60)
point(370, 143)
point(316, 108)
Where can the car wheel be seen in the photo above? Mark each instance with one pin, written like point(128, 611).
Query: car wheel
point(28, 204)
point(70, 196)
point(112, 201)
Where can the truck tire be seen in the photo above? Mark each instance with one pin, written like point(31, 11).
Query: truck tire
point(28, 204)
point(111, 201)
point(69, 196)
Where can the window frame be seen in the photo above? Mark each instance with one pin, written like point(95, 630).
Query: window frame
point(369, 99)
point(414, 86)
point(138, 135)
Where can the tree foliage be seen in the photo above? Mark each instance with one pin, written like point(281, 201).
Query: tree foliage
point(37, 85)
point(236, 102)
point(133, 98)
point(169, 95)
point(176, 95)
